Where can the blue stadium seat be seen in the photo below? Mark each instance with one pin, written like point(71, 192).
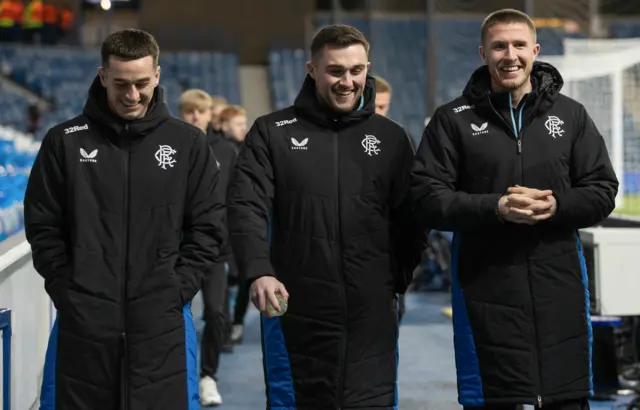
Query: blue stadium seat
point(624, 29)
point(13, 108)
point(17, 153)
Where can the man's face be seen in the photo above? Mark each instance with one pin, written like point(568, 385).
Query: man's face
point(130, 85)
point(236, 127)
point(509, 50)
point(382, 103)
point(340, 74)
point(215, 114)
point(200, 117)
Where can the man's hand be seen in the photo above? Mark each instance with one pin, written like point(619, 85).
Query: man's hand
point(265, 288)
point(527, 205)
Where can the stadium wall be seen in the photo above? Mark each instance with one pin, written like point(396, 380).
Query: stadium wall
point(249, 27)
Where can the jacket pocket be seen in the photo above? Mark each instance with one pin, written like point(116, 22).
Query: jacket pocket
point(177, 286)
point(58, 290)
point(166, 260)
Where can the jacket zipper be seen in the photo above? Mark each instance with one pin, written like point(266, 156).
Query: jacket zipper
point(514, 131)
point(123, 280)
point(516, 128)
point(343, 358)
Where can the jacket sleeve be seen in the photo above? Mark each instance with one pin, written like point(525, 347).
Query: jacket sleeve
point(439, 204)
point(408, 239)
point(203, 231)
point(45, 219)
point(594, 185)
point(249, 198)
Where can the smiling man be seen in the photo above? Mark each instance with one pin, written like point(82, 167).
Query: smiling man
point(318, 210)
point(124, 221)
point(514, 169)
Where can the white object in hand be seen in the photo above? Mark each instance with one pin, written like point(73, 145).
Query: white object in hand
point(283, 306)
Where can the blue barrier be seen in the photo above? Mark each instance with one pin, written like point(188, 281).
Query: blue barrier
point(631, 181)
point(5, 326)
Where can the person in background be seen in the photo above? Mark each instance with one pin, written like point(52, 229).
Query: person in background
point(218, 103)
point(33, 119)
point(383, 96)
point(50, 19)
point(65, 19)
point(233, 122)
point(32, 21)
point(10, 20)
point(383, 103)
point(195, 107)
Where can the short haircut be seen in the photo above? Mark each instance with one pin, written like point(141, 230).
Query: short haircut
point(230, 112)
point(195, 99)
point(218, 100)
point(338, 35)
point(506, 16)
point(130, 44)
point(382, 85)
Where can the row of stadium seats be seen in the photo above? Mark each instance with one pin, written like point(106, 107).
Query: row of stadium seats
point(626, 29)
point(17, 153)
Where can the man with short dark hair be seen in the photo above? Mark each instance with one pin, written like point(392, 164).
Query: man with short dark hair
point(318, 209)
point(514, 169)
point(124, 220)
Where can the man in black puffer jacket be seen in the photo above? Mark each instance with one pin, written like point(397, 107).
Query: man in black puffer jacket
point(328, 180)
point(124, 221)
point(515, 168)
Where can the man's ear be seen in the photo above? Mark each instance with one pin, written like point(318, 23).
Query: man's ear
point(157, 76)
point(482, 54)
point(102, 74)
point(311, 70)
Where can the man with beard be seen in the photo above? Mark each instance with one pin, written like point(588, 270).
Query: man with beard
point(515, 168)
point(124, 219)
point(318, 209)
point(196, 108)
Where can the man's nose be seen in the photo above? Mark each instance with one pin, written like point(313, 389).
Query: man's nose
point(511, 52)
point(133, 94)
point(346, 80)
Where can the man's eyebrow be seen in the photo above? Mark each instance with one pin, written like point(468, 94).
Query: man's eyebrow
point(138, 80)
point(343, 67)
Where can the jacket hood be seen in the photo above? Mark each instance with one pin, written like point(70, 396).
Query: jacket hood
point(98, 110)
point(307, 105)
point(546, 79)
point(214, 136)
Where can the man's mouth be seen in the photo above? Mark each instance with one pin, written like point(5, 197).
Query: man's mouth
point(510, 68)
point(344, 93)
point(130, 104)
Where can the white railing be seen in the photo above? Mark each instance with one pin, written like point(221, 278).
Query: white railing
point(22, 291)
